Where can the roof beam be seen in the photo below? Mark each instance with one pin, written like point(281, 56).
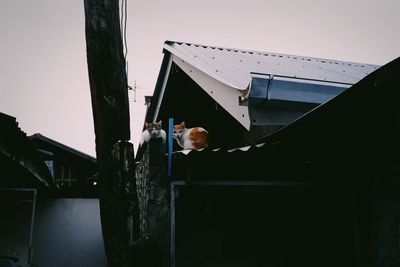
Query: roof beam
point(224, 95)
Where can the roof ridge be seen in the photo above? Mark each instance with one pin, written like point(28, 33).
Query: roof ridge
point(61, 145)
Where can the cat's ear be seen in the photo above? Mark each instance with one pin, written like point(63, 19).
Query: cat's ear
point(160, 123)
point(183, 124)
point(146, 125)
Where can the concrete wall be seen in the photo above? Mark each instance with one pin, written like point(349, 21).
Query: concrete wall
point(15, 218)
point(387, 231)
point(67, 233)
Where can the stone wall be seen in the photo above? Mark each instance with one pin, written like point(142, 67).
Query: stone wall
point(152, 248)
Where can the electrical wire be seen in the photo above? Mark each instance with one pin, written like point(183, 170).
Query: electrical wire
point(125, 23)
point(123, 29)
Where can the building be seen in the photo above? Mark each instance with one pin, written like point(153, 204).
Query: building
point(317, 187)
point(248, 93)
point(49, 211)
point(72, 171)
point(23, 172)
point(20, 164)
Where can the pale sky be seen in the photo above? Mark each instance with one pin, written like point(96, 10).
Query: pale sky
point(44, 80)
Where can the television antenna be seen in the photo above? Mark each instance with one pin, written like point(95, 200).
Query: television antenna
point(134, 88)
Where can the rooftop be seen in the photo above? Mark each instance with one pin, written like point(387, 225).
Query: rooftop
point(233, 66)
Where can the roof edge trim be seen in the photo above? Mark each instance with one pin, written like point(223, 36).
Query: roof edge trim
point(157, 96)
point(174, 51)
point(359, 64)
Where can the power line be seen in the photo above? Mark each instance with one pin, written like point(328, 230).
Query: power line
point(123, 29)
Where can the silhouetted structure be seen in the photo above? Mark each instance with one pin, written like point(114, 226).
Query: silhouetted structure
point(46, 219)
point(320, 190)
point(73, 172)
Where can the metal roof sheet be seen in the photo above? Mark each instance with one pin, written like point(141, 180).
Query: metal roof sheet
point(319, 125)
point(233, 66)
point(243, 149)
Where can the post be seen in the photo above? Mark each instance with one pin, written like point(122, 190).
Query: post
point(170, 143)
point(109, 94)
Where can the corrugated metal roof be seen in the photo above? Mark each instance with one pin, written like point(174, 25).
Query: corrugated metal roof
point(243, 149)
point(319, 127)
point(233, 66)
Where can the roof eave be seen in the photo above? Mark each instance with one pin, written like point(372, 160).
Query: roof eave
point(152, 113)
point(63, 147)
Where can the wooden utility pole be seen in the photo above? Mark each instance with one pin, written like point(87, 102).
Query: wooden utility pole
point(109, 94)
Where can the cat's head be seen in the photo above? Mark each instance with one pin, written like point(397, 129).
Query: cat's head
point(179, 129)
point(153, 128)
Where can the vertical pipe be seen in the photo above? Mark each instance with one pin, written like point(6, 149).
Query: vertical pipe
point(69, 174)
point(170, 140)
point(34, 192)
point(356, 232)
point(172, 229)
point(62, 175)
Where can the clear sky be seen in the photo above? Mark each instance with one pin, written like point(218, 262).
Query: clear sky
point(43, 70)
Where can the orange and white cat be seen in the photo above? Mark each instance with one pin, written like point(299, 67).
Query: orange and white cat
point(190, 138)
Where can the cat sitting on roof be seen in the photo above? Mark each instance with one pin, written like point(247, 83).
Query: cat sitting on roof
point(152, 130)
point(190, 138)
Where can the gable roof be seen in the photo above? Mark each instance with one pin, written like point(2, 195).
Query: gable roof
point(62, 147)
point(16, 146)
point(335, 137)
point(226, 74)
point(233, 66)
